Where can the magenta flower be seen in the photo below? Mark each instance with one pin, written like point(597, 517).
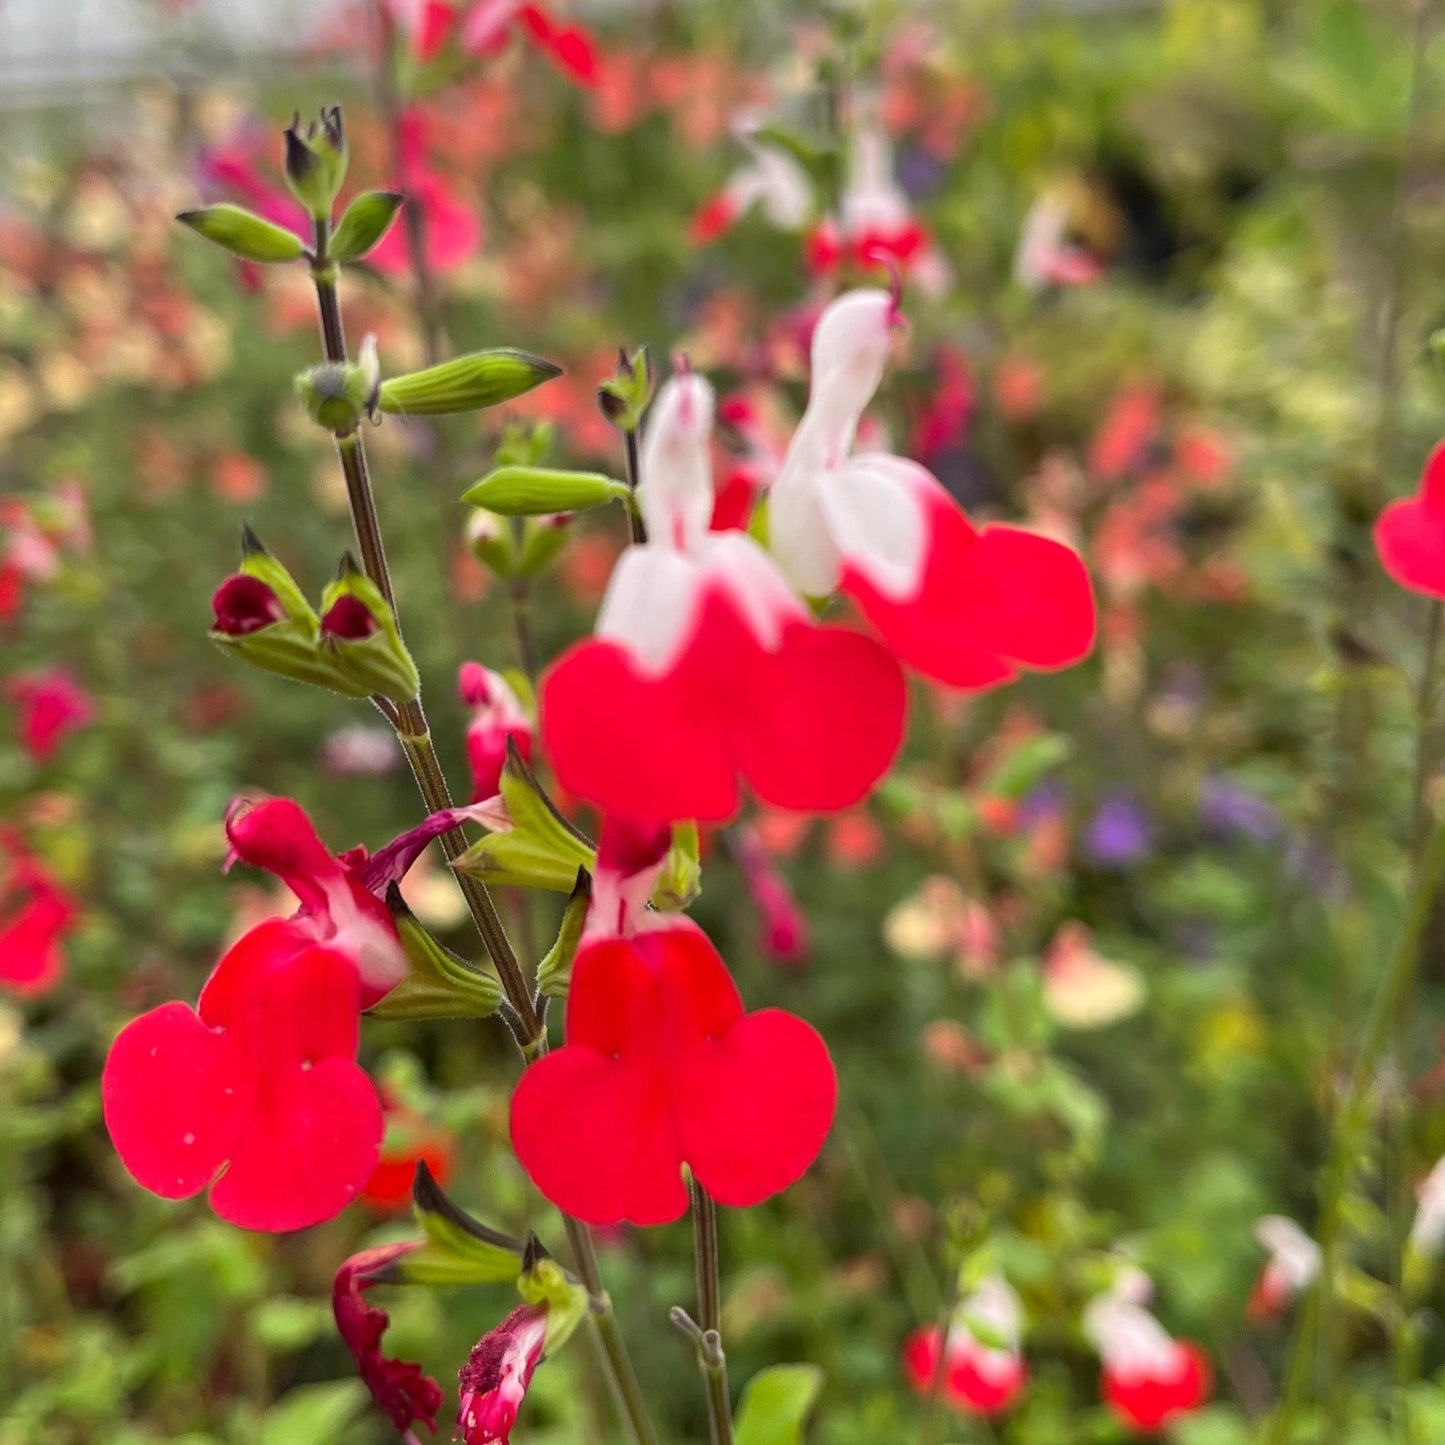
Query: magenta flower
point(52, 705)
point(497, 716)
point(495, 1378)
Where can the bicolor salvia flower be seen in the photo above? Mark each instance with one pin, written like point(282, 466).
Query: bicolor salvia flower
point(969, 607)
point(496, 717)
point(1292, 1266)
point(770, 179)
point(405, 1395)
point(255, 1093)
point(663, 1067)
point(1410, 532)
point(1149, 1378)
point(982, 1370)
point(35, 915)
point(707, 672)
point(493, 1382)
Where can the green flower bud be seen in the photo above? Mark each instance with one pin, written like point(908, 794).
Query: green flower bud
point(542, 539)
point(316, 161)
point(243, 234)
point(554, 973)
point(493, 543)
point(359, 634)
point(338, 394)
point(540, 491)
point(468, 383)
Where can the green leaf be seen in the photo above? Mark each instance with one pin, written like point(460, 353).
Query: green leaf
point(469, 383)
point(440, 985)
point(539, 491)
point(776, 1404)
point(458, 1248)
point(244, 234)
point(368, 218)
point(554, 973)
point(1025, 766)
point(540, 850)
point(314, 1414)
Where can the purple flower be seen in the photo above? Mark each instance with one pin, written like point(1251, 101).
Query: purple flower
point(1227, 810)
point(1119, 834)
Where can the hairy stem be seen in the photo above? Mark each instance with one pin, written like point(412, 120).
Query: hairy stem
point(410, 723)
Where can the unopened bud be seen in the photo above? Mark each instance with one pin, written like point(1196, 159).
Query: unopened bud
point(360, 636)
point(624, 396)
point(337, 395)
point(492, 542)
point(316, 161)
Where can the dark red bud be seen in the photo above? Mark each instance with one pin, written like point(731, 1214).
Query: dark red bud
point(243, 605)
point(349, 619)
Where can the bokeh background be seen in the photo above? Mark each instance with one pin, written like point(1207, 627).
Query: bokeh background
point(1093, 961)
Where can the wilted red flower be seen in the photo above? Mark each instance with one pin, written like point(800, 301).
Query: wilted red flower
point(1410, 532)
point(965, 607)
point(35, 914)
point(404, 1394)
point(707, 671)
point(52, 705)
point(663, 1067)
point(495, 1378)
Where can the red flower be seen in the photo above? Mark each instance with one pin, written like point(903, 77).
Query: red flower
point(1410, 533)
point(398, 1386)
point(963, 606)
point(663, 1067)
point(451, 228)
point(243, 604)
point(410, 1141)
point(707, 671)
point(35, 914)
point(1149, 1378)
point(496, 717)
point(975, 1377)
point(490, 24)
point(495, 1378)
point(260, 1077)
point(52, 705)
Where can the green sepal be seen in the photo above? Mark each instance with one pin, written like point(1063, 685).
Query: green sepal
point(680, 881)
point(378, 663)
point(554, 973)
point(258, 562)
point(540, 850)
point(468, 383)
point(542, 539)
point(367, 219)
point(316, 160)
point(544, 1281)
point(624, 396)
point(543, 491)
point(776, 1404)
point(458, 1248)
point(440, 985)
point(244, 234)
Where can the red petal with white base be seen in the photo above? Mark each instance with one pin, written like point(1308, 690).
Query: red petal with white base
point(986, 604)
point(811, 725)
point(1152, 1401)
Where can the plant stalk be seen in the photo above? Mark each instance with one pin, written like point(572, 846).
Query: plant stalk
point(711, 1359)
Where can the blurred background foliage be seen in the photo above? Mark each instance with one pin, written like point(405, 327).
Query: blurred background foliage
point(1221, 797)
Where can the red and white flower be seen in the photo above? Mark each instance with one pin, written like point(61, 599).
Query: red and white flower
point(663, 1067)
point(1427, 1230)
point(1292, 1266)
point(982, 1370)
point(498, 1371)
point(1149, 1378)
point(965, 606)
point(770, 179)
point(707, 672)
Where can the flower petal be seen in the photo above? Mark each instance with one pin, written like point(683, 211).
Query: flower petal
point(592, 1123)
point(1410, 541)
point(176, 1095)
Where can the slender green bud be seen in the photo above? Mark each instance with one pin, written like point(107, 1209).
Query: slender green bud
point(541, 491)
point(367, 219)
point(467, 383)
point(243, 234)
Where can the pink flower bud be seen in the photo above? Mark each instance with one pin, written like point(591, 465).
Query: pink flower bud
point(497, 715)
point(243, 605)
point(350, 619)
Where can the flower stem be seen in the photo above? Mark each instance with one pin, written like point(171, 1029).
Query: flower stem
point(410, 723)
point(711, 1359)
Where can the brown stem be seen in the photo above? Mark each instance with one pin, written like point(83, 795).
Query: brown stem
point(711, 1359)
